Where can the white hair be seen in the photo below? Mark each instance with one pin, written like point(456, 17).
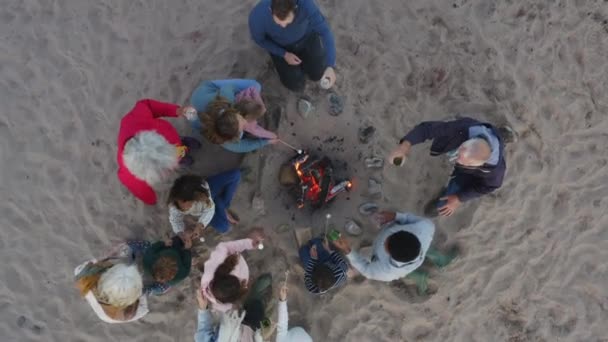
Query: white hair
point(121, 285)
point(474, 151)
point(150, 157)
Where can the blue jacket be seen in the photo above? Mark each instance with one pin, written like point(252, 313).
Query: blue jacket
point(448, 136)
point(209, 90)
point(275, 39)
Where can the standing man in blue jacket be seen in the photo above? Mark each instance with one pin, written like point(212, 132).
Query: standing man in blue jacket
point(298, 39)
point(475, 148)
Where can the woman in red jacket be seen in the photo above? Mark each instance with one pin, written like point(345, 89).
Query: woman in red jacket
point(150, 148)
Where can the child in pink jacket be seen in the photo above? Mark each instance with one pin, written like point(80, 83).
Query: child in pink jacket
point(226, 276)
point(252, 95)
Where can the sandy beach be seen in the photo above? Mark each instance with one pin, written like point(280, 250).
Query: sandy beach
point(534, 255)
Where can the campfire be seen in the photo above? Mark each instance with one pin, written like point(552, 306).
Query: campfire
point(312, 180)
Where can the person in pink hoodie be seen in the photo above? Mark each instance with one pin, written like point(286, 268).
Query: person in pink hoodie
point(226, 276)
point(249, 101)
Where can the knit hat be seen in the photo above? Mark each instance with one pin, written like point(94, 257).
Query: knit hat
point(298, 334)
point(120, 286)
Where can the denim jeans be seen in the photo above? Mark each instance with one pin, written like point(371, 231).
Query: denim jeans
point(322, 254)
point(223, 187)
point(312, 53)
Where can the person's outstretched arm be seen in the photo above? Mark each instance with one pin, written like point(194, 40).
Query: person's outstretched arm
point(340, 270)
point(158, 109)
point(221, 252)
point(432, 129)
point(258, 18)
point(245, 145)
point(310, 285)
point(319, 24)
point(283, 322)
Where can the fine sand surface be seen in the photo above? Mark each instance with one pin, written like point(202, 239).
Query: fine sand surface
point(534, 254)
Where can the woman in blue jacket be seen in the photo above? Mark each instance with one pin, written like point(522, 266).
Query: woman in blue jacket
point(223, 120)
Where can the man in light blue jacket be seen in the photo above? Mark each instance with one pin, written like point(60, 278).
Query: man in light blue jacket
point(399, 249)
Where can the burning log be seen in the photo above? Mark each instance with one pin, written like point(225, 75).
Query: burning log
point(312, 180)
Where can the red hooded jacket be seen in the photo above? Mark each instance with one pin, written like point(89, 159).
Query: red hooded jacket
point(145, 116)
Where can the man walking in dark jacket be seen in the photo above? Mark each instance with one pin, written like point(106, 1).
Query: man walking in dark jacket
point(477, 150)
point(299, 40)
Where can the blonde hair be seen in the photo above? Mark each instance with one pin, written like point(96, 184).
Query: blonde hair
point(88, 277)
point(117, 285)
point(249, 109)
point(220, 121)
point(150, 157)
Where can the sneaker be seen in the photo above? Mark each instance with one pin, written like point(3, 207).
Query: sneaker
point(507, 134)
point(439, 259)
point(191, 143)
point(421, 278)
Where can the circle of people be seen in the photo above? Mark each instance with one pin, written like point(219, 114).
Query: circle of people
point(299, 40)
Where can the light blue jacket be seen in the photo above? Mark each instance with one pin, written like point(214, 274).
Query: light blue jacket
point(381, 266)
point(205, 331)
point(209, 90)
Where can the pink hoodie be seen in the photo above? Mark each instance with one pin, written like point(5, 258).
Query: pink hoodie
point(252, 127)
point(217, 257)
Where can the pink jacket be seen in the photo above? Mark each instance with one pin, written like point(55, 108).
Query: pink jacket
point(217, 257)
point(253, 128)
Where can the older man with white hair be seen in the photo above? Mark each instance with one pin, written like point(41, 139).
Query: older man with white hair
point(475, 148)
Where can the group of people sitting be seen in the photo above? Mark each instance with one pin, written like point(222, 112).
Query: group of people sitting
point(225, 112)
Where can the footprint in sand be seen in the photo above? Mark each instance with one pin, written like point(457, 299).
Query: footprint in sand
point(24, 323)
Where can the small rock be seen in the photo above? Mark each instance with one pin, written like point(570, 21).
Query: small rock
point(282, 228)
point(336, 104)
point(374, 163)
point(21, 321)
point(374, 188)
point(305, 108)
point(366, 209)
point(352, 228)
point(366, 134)
point(257, 204)
point(37, 329)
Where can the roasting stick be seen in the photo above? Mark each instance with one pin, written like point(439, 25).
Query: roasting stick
point(327, 218)
point(290, 146)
